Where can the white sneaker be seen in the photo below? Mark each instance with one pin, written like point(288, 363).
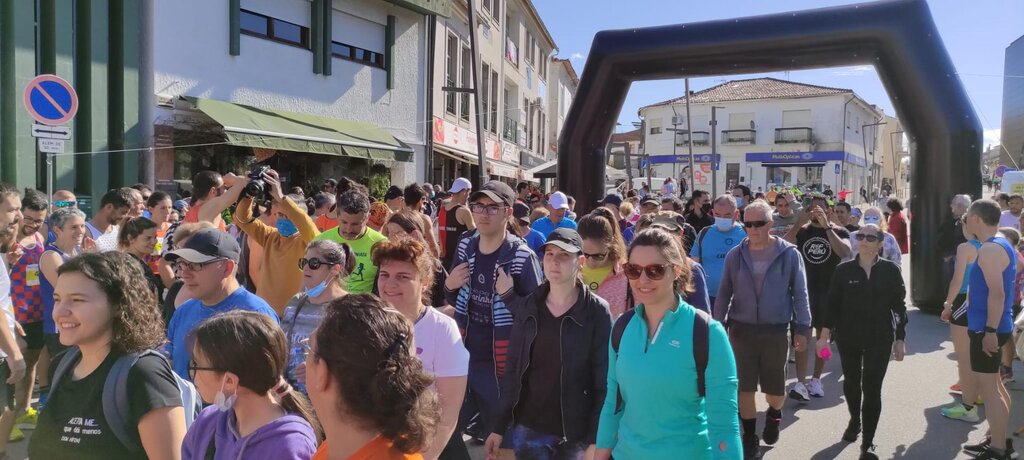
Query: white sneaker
point(799, 392)
point(815, 388)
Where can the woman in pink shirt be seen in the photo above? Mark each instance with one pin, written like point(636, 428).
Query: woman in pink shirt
point(898, 224)
point(605, 251)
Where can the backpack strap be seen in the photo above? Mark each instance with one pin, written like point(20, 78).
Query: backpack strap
point(617, 330)
point(116, 407)
point(700, 242)
point(67, 361)
point(701, 327)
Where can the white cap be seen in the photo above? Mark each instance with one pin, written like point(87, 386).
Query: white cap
point(460, 184)
point(558, 200)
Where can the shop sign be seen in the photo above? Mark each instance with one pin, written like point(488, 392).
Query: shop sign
point(509, 152)
point(464, 140)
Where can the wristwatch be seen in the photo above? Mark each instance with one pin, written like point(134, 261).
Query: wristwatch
point(947, 304)
point(990, 330)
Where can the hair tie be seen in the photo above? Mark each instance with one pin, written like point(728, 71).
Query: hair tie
point(282, 388)
point(392, 350)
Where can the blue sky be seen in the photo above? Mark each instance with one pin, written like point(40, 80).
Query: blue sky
point(976, 34)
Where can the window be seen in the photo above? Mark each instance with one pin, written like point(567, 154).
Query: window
point(467, 66)
point(262, 26)
point(529, 123)
point(494, 101)
point(496, 12)
point(451, 73)
point(356, 54)
point(485, 92)
point(655, 125)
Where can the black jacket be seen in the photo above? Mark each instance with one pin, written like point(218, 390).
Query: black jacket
point(585, 329)
point(862, 310)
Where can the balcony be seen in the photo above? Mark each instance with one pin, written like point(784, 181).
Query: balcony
point(699, 138)
point(739, 136)
point(792, 135)
point(510, 130)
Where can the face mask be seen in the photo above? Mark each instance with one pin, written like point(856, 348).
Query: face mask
point(315, 291)
point(224, 403)
point(723, 223)
point(739, 201)
point(286, 228)
point(872, 220)
point(706, 208)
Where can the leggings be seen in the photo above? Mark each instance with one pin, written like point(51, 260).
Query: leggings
point(864, 366)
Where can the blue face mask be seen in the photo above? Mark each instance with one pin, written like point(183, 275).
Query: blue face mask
point(723, 223)
point(315, 291)
point(739, 201)
point(872, 220)
point(286, 228)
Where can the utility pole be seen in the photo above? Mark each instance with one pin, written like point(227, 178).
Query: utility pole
point(475, 76)
point(714, 151)
point(869, 164)
point(689, 129)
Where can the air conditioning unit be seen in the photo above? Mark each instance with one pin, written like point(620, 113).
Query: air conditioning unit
point(678, 120)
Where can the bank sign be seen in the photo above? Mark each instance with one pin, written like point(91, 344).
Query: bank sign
point(804, 157)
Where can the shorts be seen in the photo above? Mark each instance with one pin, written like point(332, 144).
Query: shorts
point(959, 316)
point(761, 358)
point(53, 345)
point(6, 389)
point(981, 362)
point(34, 335)
point(817, 303)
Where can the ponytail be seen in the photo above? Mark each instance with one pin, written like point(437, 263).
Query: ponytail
point(295, 403)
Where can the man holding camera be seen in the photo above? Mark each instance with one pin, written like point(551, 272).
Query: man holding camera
point(284, 243)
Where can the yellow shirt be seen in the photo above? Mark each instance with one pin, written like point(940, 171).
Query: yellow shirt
point(593, 277)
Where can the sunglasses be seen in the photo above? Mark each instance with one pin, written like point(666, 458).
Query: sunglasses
point(596, 257)
point(868, 238)
point(654, 272)
point(314, 263)
point(755, 223)
point(65, 204)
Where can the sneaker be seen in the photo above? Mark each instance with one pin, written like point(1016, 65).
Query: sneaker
point(989, 454)
point(28, 420)
point(799, 392)
point(868, 453)
point(815, 388)
point(852, 431)
point(959, 412)
point(1006, 373)
point(771, 429)
point(751, 446)
point(975, 449)
point(955, 388)
point(1010, 453)
point(16, 435)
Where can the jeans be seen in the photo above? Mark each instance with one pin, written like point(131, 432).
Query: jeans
point(481, 399)
point(529, 444)
point(864, 367)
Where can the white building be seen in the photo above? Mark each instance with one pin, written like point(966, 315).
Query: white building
point(769, 131)
point(515, 48)
point(316, 89)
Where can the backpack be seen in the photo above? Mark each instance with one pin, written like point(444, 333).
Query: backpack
point(701, 325)
point(700, 242)
point(116, 407)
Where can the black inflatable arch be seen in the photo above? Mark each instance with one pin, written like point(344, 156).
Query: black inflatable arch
point(898, 38)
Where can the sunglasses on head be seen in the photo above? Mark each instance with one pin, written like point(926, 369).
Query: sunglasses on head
point(654, 272)
point(755, 223)
point(868, 238)
point(65, 204)
point(314, 263)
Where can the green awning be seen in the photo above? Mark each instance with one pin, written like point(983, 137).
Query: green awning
point(247, 126)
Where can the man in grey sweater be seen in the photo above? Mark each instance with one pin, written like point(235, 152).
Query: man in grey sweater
point(763, 292)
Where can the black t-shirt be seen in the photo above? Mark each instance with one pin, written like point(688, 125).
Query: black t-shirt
point(72, 425)
point(480, 331)
point(541, 406)
point(820, 260)
point(852, 228)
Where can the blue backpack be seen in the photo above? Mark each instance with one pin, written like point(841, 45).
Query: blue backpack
point(116, 406)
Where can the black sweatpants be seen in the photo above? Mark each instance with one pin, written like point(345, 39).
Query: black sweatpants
point(864, 366)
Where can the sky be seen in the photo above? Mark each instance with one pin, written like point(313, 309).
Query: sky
point(976, 34)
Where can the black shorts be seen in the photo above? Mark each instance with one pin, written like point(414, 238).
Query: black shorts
point(760, 359)
point(817, 303)
point(34, 335)
point(959, 316)
point(6, 390)
point(981, 362)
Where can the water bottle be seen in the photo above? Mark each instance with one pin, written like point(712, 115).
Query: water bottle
point(298, 356)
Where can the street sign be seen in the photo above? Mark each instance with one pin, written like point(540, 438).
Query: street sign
point(51, 100)
point(51, 132)
point(837, 168)
point(51, 145)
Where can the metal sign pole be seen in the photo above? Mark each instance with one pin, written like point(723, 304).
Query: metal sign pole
point(689, 130)
point(49, 177)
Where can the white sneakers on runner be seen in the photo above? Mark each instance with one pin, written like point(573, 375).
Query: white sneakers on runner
point(799, 392)
point(815, 388)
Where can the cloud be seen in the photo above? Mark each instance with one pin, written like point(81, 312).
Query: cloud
point(991, 137)
point(853, 71)
point(576, 56)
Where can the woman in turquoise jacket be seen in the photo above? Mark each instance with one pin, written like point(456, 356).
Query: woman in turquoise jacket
point(661, 413)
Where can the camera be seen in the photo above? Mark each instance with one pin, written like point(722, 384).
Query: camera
point(256, 186)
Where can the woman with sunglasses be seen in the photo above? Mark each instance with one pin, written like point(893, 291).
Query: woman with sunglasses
point(404, 277)
point(68, 226)
point(105, 310)
point(653, 407)
point(369, 391)
point(866, 307)
point(555, 379)
point(605, 253)
point(890, 248)
point(324, 268)
point(237, 361)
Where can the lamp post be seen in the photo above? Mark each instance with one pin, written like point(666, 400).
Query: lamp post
point(714, 151)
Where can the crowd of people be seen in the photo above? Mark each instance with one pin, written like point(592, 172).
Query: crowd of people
point(332, 325)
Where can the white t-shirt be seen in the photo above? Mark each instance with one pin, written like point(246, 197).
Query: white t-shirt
point(1009, 220)
point(5, 299)
point(439, 345)
point(105, 242)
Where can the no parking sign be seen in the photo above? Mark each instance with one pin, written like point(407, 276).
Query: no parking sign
point(51, 100)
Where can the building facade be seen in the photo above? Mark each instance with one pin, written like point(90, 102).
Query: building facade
point(895, 159)
point(515, 48)
point(768, 132)
point(1012, 132)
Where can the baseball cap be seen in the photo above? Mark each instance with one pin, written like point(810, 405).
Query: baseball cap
point(498, 191)
point(392, 193)
point(521, 211)
point(650, 200)
point(666, 222)
point(206, 245)
point(180, 205)
point(855, 212)
point(558, 200)
point(612, 199)
point(460, 184)
point(566, 239)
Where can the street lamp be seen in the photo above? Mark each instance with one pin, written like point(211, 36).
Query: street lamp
point(714, 152)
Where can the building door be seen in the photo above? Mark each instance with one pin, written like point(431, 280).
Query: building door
point(732, 175)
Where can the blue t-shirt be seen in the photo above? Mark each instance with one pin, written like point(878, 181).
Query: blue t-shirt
point(977, 299)
point(535, 240)
point(193, 312)
point(712, 251)
point(545, 226)
point(480, 331)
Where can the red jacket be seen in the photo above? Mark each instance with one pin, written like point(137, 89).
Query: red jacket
point(898, 229)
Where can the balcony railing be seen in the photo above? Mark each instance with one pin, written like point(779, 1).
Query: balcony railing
point(739, 136)
point(699, 138)
point(792, 135)
point(510, 131)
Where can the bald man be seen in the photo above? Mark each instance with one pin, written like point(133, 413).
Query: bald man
point(61, 199)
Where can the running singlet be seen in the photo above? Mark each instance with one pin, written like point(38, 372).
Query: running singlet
point(449, 230)
point(25, 289)
point(49, 326)
point(192, 216)
point(977, 306)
